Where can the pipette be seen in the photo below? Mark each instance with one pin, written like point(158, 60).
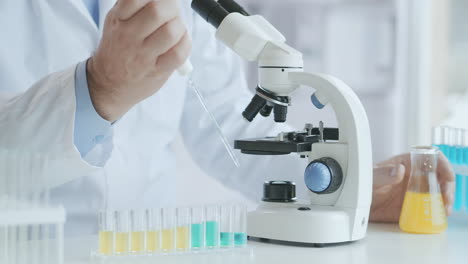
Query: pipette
point(185, 70)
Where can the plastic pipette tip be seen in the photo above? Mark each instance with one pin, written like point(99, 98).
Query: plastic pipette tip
point(185, 69)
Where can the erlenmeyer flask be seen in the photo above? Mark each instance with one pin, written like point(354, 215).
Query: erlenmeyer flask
point(423, 209)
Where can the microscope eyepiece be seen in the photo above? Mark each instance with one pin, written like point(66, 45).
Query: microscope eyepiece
point(254, 107)
point(233, 7)
point(210, 10)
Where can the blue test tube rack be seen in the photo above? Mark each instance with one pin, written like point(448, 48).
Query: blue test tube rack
point(453, 142)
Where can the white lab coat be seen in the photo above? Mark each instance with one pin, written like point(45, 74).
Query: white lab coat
point(136, 168)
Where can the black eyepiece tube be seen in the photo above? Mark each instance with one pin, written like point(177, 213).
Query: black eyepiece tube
point(210, 10)
point(232, 6)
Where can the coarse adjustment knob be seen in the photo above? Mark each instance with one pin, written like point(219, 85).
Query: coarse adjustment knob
point(323, 176)
point(279, 191)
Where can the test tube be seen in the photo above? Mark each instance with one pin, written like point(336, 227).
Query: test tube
point(212, 226)
point(453, 142)
point(240, 225)
point(465, 163)
point(183, 229)
point(106, 233)
point(459, 146)
point(153, 233)
point(198, 228)
point(167, 233)
point(122, 230)
point(226, 233)
point(456, 135)
point(137, 235)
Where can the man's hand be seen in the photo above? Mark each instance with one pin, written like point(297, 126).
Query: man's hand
point(390, 182)
point(143, 43)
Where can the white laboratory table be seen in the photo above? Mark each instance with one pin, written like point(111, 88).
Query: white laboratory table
point(384, 243)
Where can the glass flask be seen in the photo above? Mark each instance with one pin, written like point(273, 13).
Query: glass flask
point(423, 209)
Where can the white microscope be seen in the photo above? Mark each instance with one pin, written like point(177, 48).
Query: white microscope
point(339, 173)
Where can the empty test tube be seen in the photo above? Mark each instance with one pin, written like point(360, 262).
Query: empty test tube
point(197, 227)
point(183, 229)
point(122, 231)
point(212, 226)
point(153, 232)
point(240, 225)
point(137, 233)
point(167, 233)
point(106, 233)
point(226, 222)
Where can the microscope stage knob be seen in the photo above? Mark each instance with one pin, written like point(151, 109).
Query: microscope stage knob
point(323, 176)
point(279, 191)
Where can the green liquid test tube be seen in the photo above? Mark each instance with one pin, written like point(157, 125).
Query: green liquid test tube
point(212, 234)
point(227, 239)
point(226, 225)
point(240, 239)
point(240, 226)
point(197, 236)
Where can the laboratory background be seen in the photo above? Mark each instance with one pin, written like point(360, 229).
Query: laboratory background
point(406, 60)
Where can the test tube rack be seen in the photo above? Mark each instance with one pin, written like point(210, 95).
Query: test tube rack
point(31, 229)
point(453, 142)
point(149, 234)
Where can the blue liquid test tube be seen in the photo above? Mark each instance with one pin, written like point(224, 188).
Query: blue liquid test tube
point(464, 162)
point(445, 138)
point(240, 226)
point(441, 138)
point(456, 157)
point(226, 234)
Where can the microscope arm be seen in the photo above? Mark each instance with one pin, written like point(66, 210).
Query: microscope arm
point(354, 137)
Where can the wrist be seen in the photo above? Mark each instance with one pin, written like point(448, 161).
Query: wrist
point(102, 93)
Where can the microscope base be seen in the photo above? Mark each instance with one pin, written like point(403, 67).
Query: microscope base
point(295, 223)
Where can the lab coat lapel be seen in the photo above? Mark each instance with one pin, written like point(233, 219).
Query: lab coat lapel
point(83, 11)
point(104, 7)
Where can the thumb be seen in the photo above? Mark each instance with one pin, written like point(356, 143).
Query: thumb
point(389, 174)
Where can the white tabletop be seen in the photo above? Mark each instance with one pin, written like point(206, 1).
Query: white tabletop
point(384, 243)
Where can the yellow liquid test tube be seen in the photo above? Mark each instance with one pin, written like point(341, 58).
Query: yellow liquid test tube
point(423, 213)
point(152, 241)
point(182, 238)
point(167, 239)
point(137, 242)
point(121, 243)
point(106, 240)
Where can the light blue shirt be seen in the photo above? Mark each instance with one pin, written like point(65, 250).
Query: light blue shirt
point(90, 128)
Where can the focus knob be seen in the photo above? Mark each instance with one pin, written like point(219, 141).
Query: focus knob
point(279, 191)
point(323, 176)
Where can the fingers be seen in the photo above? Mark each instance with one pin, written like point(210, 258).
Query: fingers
point(151, 17)
point(165, 37)
point(387, 175)
point(125, 9)
point(444, 169)
point(446, 178)
point(175, 57)
point(448, 190)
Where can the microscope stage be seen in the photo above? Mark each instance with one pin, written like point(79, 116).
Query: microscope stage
point(296, 142)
